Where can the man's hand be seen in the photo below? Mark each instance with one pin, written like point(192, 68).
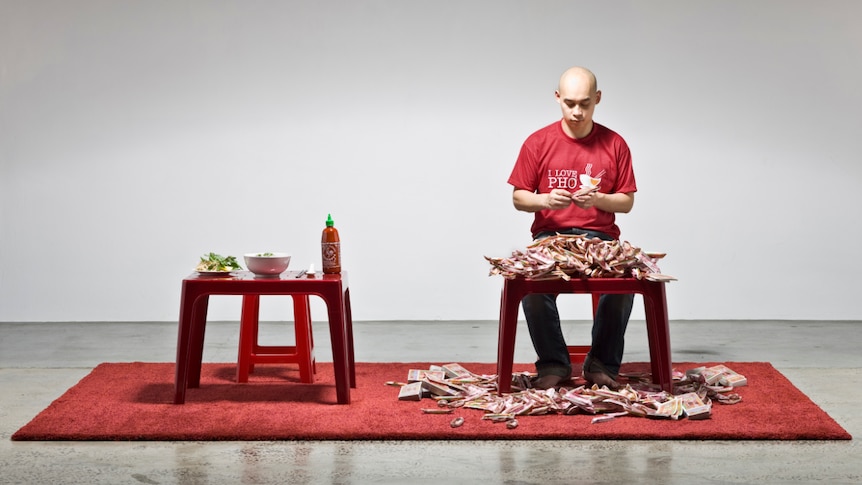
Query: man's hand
point(559, 199)
point(527, 201)
point(585, 198)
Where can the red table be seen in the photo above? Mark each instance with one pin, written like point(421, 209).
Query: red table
point(655, 306)
point(196, 289)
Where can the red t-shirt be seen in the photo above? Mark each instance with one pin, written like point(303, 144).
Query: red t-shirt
point(550, 159)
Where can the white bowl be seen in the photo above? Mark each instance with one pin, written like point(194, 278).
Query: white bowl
point(267, 264)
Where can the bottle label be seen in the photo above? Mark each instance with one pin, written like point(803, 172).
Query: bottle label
point(331, 255)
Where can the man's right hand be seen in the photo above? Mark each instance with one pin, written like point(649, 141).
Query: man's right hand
point(532, 202)
point(558, 199)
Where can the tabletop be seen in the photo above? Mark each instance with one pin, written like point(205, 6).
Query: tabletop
point(243, 275)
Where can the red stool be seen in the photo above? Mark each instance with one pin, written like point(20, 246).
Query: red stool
point(655, 306)
point(578, 353)
point(251, 352)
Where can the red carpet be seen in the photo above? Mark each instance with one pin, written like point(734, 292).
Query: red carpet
point(133, 401)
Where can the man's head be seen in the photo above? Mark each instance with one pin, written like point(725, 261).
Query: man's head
point(578, 96)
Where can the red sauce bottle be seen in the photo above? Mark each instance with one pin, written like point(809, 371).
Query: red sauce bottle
point(330, 247)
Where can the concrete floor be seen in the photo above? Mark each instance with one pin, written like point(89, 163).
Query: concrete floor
point(39, 361)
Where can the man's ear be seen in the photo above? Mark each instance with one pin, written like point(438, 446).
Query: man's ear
point(598, 96)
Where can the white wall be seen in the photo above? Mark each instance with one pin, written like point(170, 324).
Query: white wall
point(137, 135)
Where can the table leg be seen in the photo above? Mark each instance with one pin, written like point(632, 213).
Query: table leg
point(658, 334)
point(348, 320)
point(196, 341)
point(193, 310)
point(509, 303)
point(340, 358)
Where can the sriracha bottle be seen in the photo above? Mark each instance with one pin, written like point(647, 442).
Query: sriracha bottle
point(330, 247)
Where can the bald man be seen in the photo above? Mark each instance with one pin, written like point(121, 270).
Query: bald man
point(574, 175)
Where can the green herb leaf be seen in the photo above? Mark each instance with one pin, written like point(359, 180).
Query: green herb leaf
point(217, 262)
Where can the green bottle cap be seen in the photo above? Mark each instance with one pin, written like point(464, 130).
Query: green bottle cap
point(329, 221)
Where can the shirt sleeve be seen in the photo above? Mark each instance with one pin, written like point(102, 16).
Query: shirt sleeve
point(626, 175)
point(525, 174)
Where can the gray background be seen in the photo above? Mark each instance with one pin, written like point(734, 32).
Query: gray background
point(136, 136)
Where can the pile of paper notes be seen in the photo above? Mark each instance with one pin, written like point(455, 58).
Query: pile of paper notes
point(718, 374)
point(445, 380)
point(452, 386)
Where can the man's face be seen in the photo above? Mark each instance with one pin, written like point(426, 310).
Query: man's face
point(578, 102)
